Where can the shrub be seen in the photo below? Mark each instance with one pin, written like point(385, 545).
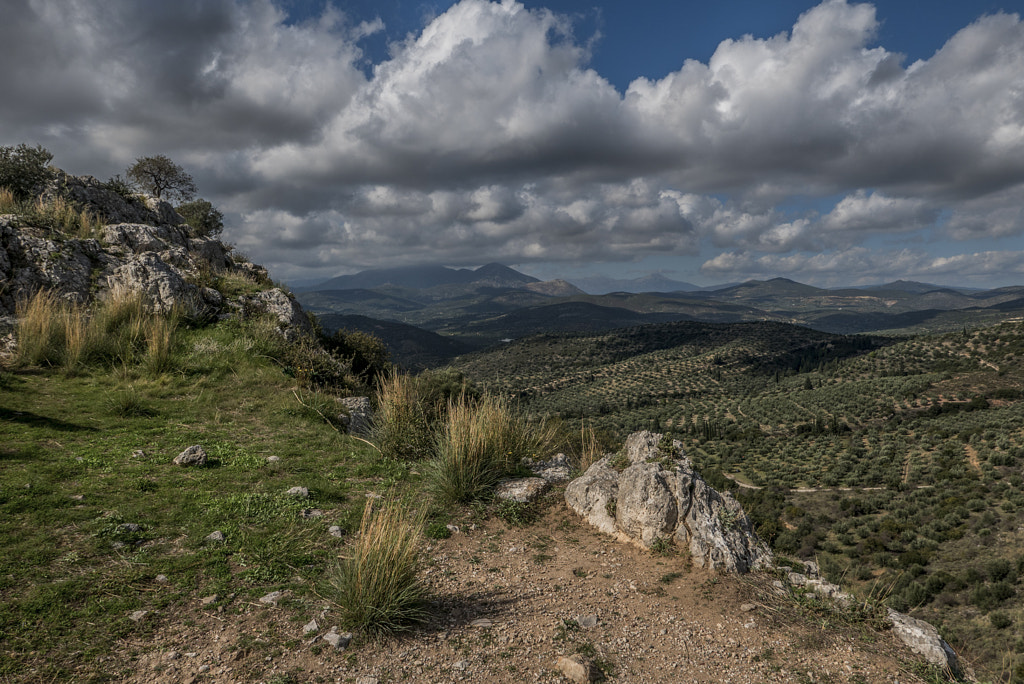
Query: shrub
point(1000, 620)
point(377, 583)
point(366, 354)
point(479, 443)
point(204, 219)
point(24, 169)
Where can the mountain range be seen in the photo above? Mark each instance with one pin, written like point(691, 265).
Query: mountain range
point(456, 310)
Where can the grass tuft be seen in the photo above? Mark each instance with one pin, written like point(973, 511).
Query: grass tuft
point(377, 584)
point(480, 442)
point(401, 426)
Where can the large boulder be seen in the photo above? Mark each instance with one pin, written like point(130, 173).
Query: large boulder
point(924, 639)
point(291, 319)
point(651, 494)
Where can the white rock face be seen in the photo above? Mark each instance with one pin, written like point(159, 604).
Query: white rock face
point(658, 496)
point(924, 639)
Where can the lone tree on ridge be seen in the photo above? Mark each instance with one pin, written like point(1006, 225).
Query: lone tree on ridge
point(162, 178)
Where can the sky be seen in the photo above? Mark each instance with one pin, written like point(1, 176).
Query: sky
point(834, 143)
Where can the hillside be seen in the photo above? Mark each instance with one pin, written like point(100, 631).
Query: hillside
point(896, 463)
point(179, 500)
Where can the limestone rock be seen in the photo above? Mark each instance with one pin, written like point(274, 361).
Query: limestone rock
point(339, 641)
point(521, 490)
point(658, 496)
point(577, 668)
point(556, 469)
point(195, 455)
point(924, 639)
point(298, 492)
point(357, 415)
point(291, 319)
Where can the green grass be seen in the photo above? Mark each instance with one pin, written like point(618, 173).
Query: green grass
point(73, 490)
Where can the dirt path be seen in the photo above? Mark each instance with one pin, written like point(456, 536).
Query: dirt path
point(972, 457)
point(509, 601)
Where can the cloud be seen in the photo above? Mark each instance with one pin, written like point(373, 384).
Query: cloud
point(862, 266)
point(488, 136)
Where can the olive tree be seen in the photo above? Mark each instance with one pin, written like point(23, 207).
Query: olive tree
point(162, 178)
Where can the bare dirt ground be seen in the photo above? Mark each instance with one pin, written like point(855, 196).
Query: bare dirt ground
point(507, 601)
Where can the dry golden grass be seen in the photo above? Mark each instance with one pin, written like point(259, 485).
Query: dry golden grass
point(377, 583)
point(120, 330)
point(479, 443)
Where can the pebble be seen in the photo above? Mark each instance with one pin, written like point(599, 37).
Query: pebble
point(310, 626)
point(272, 598)
point(335, 531)
point(216, 536)
point(299, 492)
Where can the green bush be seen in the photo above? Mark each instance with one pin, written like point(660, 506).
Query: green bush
point(204, 219)
point(24, 169)
point(366, 354)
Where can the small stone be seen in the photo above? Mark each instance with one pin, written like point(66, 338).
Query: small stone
point(335, 531)
point(161, 579)
point(171, 655)
point(310, 627)
point(209, 600)
point(138, 615)
point(577, 669)
point(339, 641)
point(298, 492)
point(138, 453)
point(521, 490)
point(195, 455)
point(129, 528)
point(747, 607)
point(482, 623)
point(310, 513)
point(454, 529)
point(366, 680)
point(216, 536)
point(460, 665)
point(797, 579)
point(204, 668)
point(587, 621)
point(78, 497)
point(272, 598)
point(273, 459)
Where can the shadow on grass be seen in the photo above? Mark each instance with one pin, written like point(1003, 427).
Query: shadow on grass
point(36, 420)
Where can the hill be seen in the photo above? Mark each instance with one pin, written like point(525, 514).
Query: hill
point(895, 463)
point(426, 277)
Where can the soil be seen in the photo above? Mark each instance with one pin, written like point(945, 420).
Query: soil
point(507, 601)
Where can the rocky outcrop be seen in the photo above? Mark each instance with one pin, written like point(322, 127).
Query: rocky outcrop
point(651, 495)
point(144, 246)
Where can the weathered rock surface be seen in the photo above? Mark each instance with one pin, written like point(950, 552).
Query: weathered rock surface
point(357, 416)
point(195, 455)
point(657, 497)
point(578, 669)
point(556, 469)
point(521, 489)
point(144, 246)
point(924, 639)
point(291, 319)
